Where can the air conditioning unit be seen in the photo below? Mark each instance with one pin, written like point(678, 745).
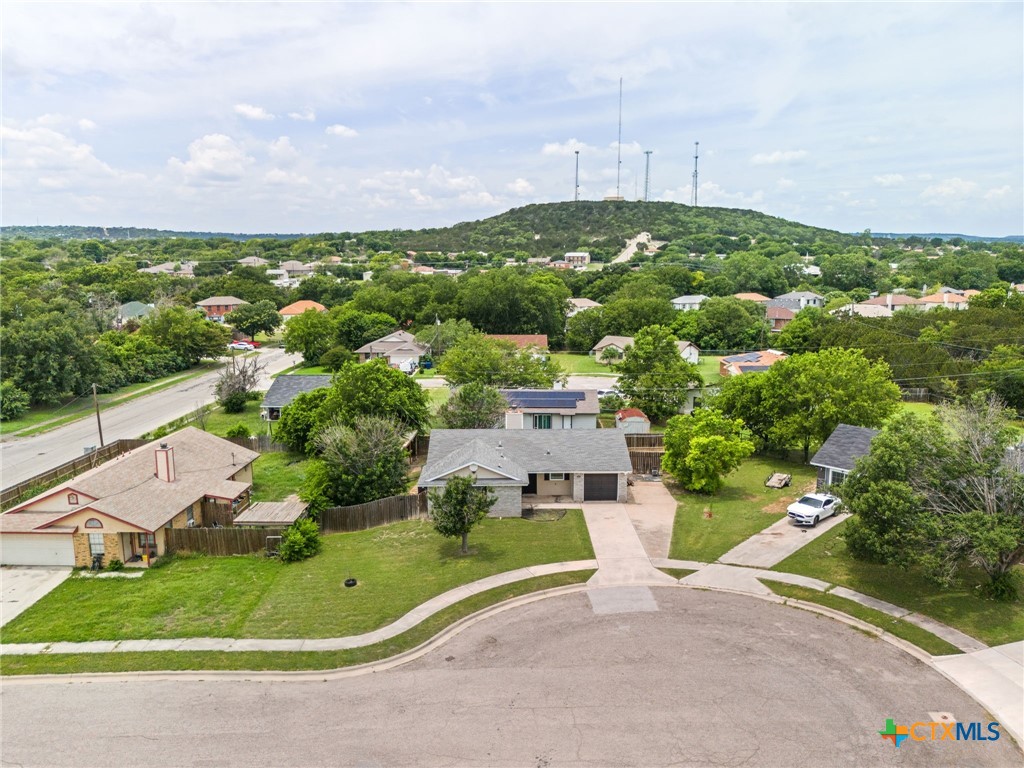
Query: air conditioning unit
point(190, 524)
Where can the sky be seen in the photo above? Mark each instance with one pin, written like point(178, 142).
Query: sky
point(316, 117)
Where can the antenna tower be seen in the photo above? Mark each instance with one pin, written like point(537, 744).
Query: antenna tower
point(647, 177)
point(693, 196)
point(576, 193)
point(618, 166)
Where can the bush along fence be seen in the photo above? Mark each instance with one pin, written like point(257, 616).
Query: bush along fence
point(359, 517)
point(39, 483)
point(222, 541)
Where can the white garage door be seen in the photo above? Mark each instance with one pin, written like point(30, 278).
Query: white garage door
point(37, 549)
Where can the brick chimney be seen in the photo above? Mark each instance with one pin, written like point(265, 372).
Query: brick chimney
point(165, 463)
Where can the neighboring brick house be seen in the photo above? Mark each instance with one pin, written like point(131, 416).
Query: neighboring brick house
point(551, 409)
point(120, 509)
point(524, 466)
point(778, 318)
point(216, 307)
point(749, 362)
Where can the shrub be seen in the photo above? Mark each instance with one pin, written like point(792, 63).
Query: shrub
point(301, 540)
point(13, 401)
point(234, 403)
point(336, 357)
point(115, 565)
point(239, 430)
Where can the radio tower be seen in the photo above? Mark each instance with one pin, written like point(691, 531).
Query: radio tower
point(576, 193)
point(647, 176)
point(693, 196)
point(618, 167)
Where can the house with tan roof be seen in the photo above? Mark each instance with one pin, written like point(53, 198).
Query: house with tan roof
point(756, 297)
point(944, 299)
point(893, 301)
point(400, 349)
point(121, 509)
point(579, 305)
point(216, 307)
point(612, 348)
point(296, 308)
point(538, 341)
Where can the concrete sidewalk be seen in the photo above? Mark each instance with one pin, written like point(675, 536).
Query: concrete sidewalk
point(995, 677)
point(777, 542)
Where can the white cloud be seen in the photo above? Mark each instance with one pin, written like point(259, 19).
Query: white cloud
point(999, 193)
point(278, 177)
point(306, 115)
point(566, 148)
point(251, 112)
point(779, 156)
point(341, 130)
point(282, 152)
point(783, 183)
point(520, 187)
point(888, 179)
point(86, 124)
point(213, 158)
point(949, 191)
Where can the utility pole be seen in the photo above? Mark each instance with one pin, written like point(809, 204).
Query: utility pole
point(647, 176)
point(96, 402)
point(576, 194)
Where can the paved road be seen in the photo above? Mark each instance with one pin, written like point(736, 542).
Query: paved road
point(629, 251)
point(22, 458)
point(681, 677)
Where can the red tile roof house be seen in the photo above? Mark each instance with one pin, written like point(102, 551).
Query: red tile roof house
point(779, 318)
point(749, 362)
point(297, 308)
point(121, 509)
point(216, 307)
point(523, 340)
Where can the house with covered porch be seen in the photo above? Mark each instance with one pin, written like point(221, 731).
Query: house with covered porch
point(121, 510)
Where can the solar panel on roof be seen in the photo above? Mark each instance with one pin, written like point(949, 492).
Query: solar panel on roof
point(545, 398)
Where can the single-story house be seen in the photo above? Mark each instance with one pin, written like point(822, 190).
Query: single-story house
point(797, 300)
point(296, 308)
point(172, 268)
point(688, 303)
point(551, 408)
point(838, 455)
point(749, 362)
point(216, 307)
point(297, 268)
point(285, 389)
point(272, 514)
point(537, 341)
point(577, 258)
point(579, 305)
point(632, 421)
point(689, 351)
point(253, 261)
point(133, 310)
point(893, 301)
point(400, 349)
point(519, 466)
point(755, 297)
point(121, 509)
point(778, 318)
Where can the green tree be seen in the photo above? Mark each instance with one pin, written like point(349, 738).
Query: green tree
point(185, 331)
point(754, 272)
point(653, 375)
point(375, 389)
point(301, 420)
point(250, 319)
point(701, 449)
point(353, 328)
point(358, 461)
point(300, 541)
point(1005, 375)
point(627, 316)
point(729, 323)
point(311, 334)
point(499, 363)
point(443, 336)
point(13, 401)
point(584, 329)
point(473, 406)
point(459, 507)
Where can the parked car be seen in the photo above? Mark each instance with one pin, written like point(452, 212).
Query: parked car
point(810, 509)
point(603, 392)
point(243, 346)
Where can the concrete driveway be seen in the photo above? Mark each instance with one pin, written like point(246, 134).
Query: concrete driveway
point(777, 542)
point(21, 586)
point(703, 679)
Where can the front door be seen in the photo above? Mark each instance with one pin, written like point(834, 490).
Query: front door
point(531, 486)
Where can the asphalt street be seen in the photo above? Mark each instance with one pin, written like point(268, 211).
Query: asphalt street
point(22, 458)
point(684, 678)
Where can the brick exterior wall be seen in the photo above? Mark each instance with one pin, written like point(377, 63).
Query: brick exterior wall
point(83, 554)
point(509, 503)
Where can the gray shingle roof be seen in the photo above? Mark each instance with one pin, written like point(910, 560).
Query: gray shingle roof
point(529, 450)
point(844, 446)
point(287, 388)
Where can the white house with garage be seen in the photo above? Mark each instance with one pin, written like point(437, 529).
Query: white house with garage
point(522, 467)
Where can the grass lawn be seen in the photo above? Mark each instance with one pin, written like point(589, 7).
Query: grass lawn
point(436, 397)
point(42, 419)
point(277, 475)
point(307, 370)
point(708, 367)
point(398, 567)
point(921, 409)
point(961, 606)
point(124, 662)
point(742, 508)
point(912, 633)
point(218, 423)
point(571, 363)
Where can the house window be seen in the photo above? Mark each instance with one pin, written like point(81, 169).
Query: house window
point(190, 518)
point(92, 522)
point(555, 476)
point(542, 421)
point(96, 544)
point(73, 499)
point(146, 542)
point(838, 478)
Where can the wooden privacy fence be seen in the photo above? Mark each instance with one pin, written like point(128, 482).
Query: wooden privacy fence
point(359, 517)
point(259, 443)
point(646, 440)
point(213, 512)
point(68, 469)
point(219, 541)
point(645, 461)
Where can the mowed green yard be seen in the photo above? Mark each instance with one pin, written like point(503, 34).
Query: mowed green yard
point(398, 567)
point(739, 510)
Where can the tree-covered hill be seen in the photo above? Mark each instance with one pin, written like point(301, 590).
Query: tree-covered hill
point(77, 232)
